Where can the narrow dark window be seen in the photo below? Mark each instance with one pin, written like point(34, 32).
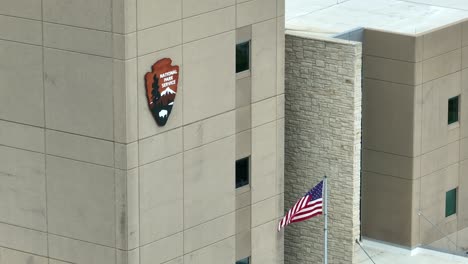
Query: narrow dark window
point(242, 56)
point(450, 202)
point(453, 109)
point(243, 261)
point(242, 172)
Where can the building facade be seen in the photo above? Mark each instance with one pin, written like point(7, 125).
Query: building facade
point(415, 114)
point(86, 174)
point(323, 137)
point(414, 161)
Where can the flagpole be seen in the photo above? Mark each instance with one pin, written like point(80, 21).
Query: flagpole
point(325, 233)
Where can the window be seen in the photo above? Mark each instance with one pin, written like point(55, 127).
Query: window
point(243, 56)
point(450, 202)
point(453, 109)
point(243, 261)
point(242, 172)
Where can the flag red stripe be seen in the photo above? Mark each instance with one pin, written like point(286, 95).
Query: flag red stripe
point(300, 220)
point(318, 209)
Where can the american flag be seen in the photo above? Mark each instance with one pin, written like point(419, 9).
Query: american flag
point(307, 207)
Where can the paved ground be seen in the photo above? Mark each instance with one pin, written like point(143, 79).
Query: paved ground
point(386, 254)
point(330, 17)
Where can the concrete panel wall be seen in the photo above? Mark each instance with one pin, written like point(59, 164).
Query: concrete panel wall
point(418, 144)
point(323, 137)
point(87, 176)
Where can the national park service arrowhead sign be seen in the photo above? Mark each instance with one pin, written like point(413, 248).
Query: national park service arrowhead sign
point(161, 89)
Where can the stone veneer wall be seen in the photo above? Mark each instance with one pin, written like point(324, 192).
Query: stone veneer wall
point(323, 136)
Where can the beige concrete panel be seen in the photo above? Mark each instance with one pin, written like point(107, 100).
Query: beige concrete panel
point(22, 8)
point(388, 117)
point(162, 250)
point(243, 92)
point(281, 7)
point(390, 164)
point(78, 39)
point(396, 71)
point(19, 95)
point(386, 208)
point(441, 65)
point(53, 261)
point(146, 124)
point(126, 156)
point(178, 260)
point(209, 24)
point(280, 155)
point(435, 129)
point(453, 133)
point(464, 149)
point(390, 45)
point(415, 217)
point(86, 13)
point(433, 189)
point(264, 161)
point(160, 37)
point(243, 34)
point(263, 58)
point(209, 181)
point(80, 148)
point(79, 252)
point(17, 257)
point(267, 243)
point(209, 69)
point(221, 252)
point(161, 205)
point(26, 240)
point(22, 188)
point(280, 104)
point(440, 158)
point(209, 232)
point(264, 111)
point(78, 93)
point(243, 220)
point(464, 32)
point(243, 144)
point(81, 200)
point(21, 30)
point(125, 101)
point(255, 11)
point(463, 196)
point(243, 199)
point(266, 210)
point(464, 57)
point(128, 257)
point(124, 16)
point(441, 41)
point(160, 146)
point(464, 105)
point(417, 119)
point(280, 53)
point(209, 130)
point(446, 243)
point(125, 46)
point(127, 213)
point(21, 136)
point(243, 118)
point(195, 7)
point(152, 13)
point(243, 245)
